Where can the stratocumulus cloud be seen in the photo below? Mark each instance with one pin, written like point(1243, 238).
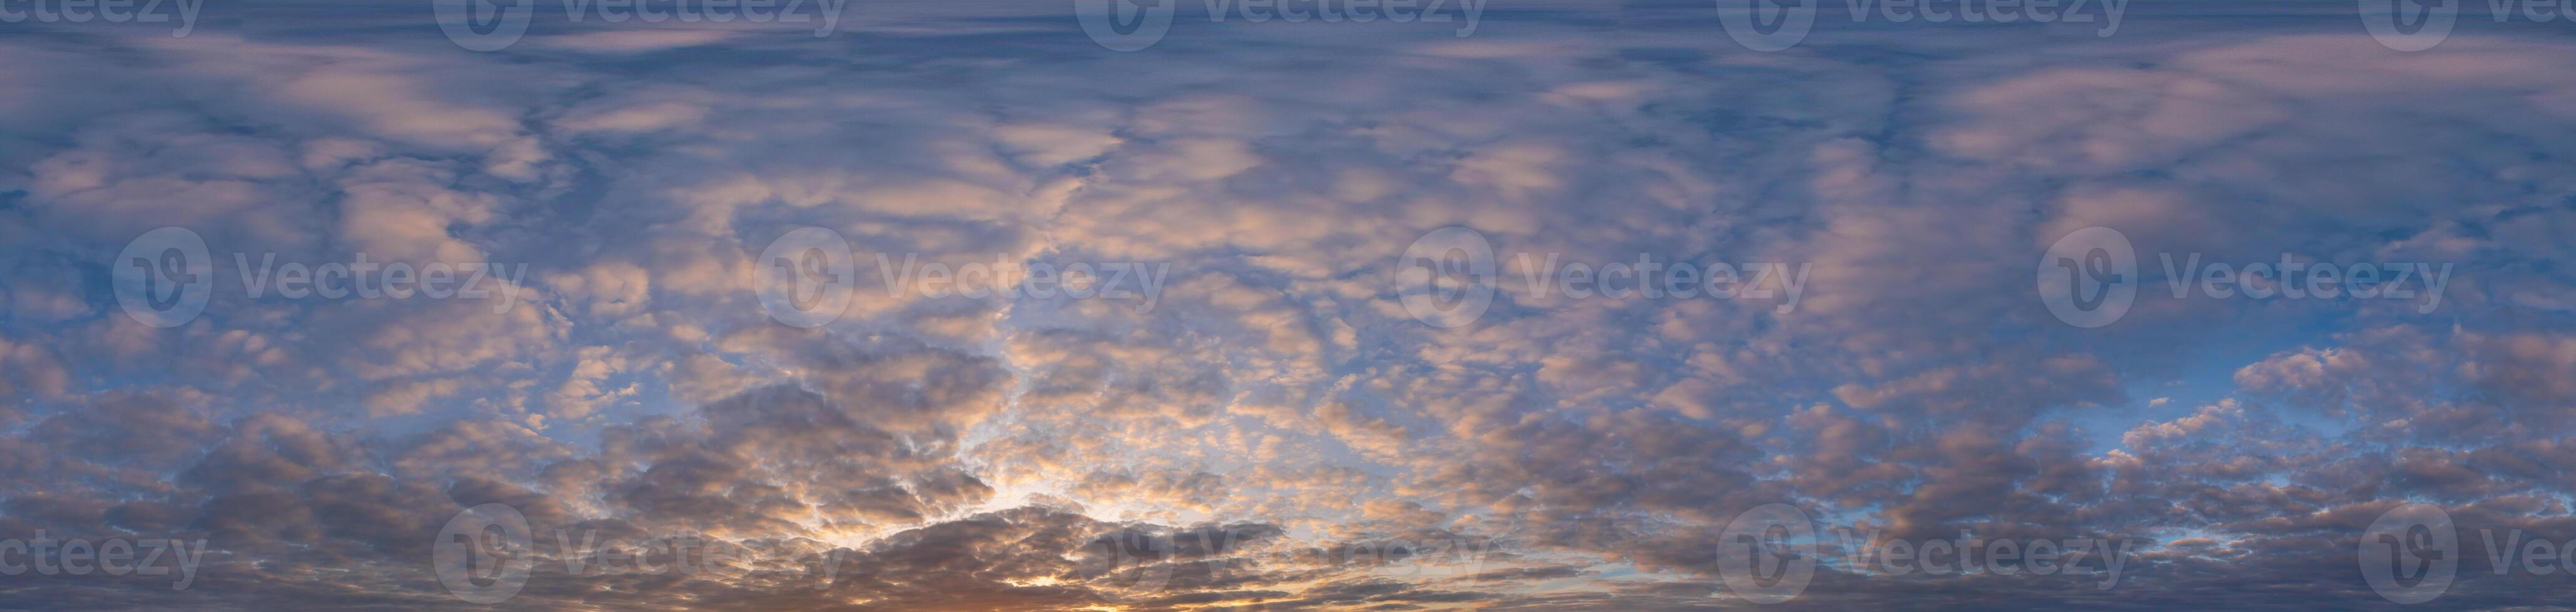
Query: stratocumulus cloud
point(773, 320)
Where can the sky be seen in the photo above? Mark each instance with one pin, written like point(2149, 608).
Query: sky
point(1295, 305)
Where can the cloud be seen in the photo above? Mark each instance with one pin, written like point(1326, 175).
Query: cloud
point(1276, 430)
